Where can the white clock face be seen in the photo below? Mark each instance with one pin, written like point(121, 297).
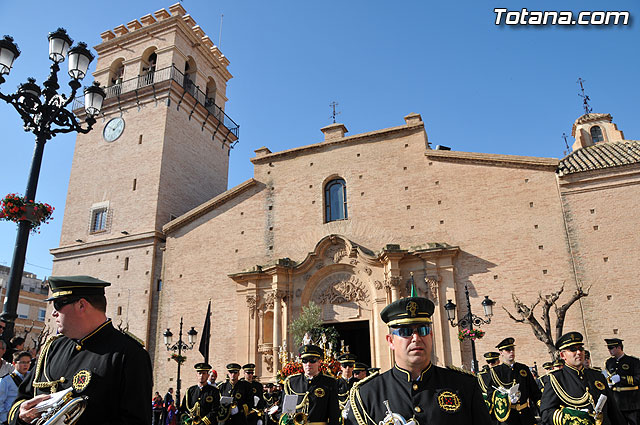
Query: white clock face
point(113, 129)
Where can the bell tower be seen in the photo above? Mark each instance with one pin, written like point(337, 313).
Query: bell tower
point(160, 148)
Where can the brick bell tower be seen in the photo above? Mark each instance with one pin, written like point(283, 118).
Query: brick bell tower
point(160, 148)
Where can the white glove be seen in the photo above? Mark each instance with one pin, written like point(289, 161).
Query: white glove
point(615, 378)
point(234, 410)
point(259, 422)
point(513, 398)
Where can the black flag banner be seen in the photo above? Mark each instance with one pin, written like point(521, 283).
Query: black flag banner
point(206, 335)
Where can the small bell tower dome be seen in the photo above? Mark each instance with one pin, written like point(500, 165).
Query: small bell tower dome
point(593, 128)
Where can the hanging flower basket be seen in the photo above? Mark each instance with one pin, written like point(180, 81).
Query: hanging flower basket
point(16, 208)
point(470, 334)
point(178, 359)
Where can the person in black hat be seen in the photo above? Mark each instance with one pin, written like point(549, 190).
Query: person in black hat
point(359, 371)
point(89, 355)
point(573, 392)
point(624, 379)
point(317, 393)
point(242, 394)
point(345, 380)
point(256, 412)
point(202, 401)
point(513, 391)
point(484, 377)
point(414, 388)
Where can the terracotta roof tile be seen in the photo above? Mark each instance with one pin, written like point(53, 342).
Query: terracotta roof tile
point(599, 156)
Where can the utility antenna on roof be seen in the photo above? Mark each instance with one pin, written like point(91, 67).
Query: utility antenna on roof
point(564, 136)
point(334, 113)
point(220, 36)
point(585, 98)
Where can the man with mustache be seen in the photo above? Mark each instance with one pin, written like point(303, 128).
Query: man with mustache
point(414, 388)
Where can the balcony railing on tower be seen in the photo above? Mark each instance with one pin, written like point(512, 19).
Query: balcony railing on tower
point(170, 73)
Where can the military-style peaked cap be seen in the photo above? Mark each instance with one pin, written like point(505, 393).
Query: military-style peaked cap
point(359, 367)
point(407, 311)
point(506, 343)
point(569, 340)
point(310, 351)
point(547, 365)
point(233, 367)
point(491, 355)
point(202, 367)
point(613, 342)
point(373, 369)
point(346, 358)
point(249, 367)
point(75, 286)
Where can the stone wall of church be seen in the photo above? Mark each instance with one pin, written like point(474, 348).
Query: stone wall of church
point(503, 214)
point(604, 230)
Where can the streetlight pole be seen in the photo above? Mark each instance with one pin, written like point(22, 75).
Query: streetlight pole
point(179, 346)
point(470, 319)
point(44, 114)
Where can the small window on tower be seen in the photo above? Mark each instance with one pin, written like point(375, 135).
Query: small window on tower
point(99, 220)
point(596, 134)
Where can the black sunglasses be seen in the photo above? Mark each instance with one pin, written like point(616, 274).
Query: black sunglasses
point(407, 331)
point(575, 348)
point(61, 302)
point(310, 360)
point(345, 365)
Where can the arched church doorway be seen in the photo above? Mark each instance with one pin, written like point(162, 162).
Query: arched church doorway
point(355, 335)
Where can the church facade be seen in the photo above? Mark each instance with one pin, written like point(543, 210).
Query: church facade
point(348, 221)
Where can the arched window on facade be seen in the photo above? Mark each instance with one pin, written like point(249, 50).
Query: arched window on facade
point(596, 134)
point(116, 72)
point(190, 75)
point(210, 93)
point(149, 60)
point(335, 200)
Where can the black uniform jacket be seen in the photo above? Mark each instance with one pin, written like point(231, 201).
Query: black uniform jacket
point(108, 366)
point(242, 394)
point(208, 402)
point(257, 390)
point(626, 392)
point(506, 376)
point(438, 396)
point(322, 393)
point(567, 387)
point(344, 386)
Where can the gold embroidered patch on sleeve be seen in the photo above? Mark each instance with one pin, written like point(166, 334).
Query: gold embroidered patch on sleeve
point(209, 399)
point(599, 385)
point(238, 396)
point(449, 402)
point(523, 372)
point(625, 366)
point(81, 380)
point(319, 392)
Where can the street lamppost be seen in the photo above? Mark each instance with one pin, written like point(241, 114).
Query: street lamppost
point(469, 320)
point(43, 113)
point(179, 346)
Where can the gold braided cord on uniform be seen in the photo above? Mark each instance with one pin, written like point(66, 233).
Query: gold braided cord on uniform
point(192, 412)
point(566, 398)
point(14, 410)
point(483, 387)
point(494, 376)
point(41, 367)
point(354, 398)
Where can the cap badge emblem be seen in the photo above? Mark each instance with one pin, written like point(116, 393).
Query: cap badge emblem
point(412, 307)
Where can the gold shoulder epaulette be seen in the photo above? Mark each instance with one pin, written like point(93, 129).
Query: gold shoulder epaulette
point(461, 370)
point(368, 378)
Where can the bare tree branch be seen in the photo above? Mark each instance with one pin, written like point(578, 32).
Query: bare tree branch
point(561, 312)
point(543, 331)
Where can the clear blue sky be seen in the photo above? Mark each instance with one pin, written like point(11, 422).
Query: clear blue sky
point(479, 87)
